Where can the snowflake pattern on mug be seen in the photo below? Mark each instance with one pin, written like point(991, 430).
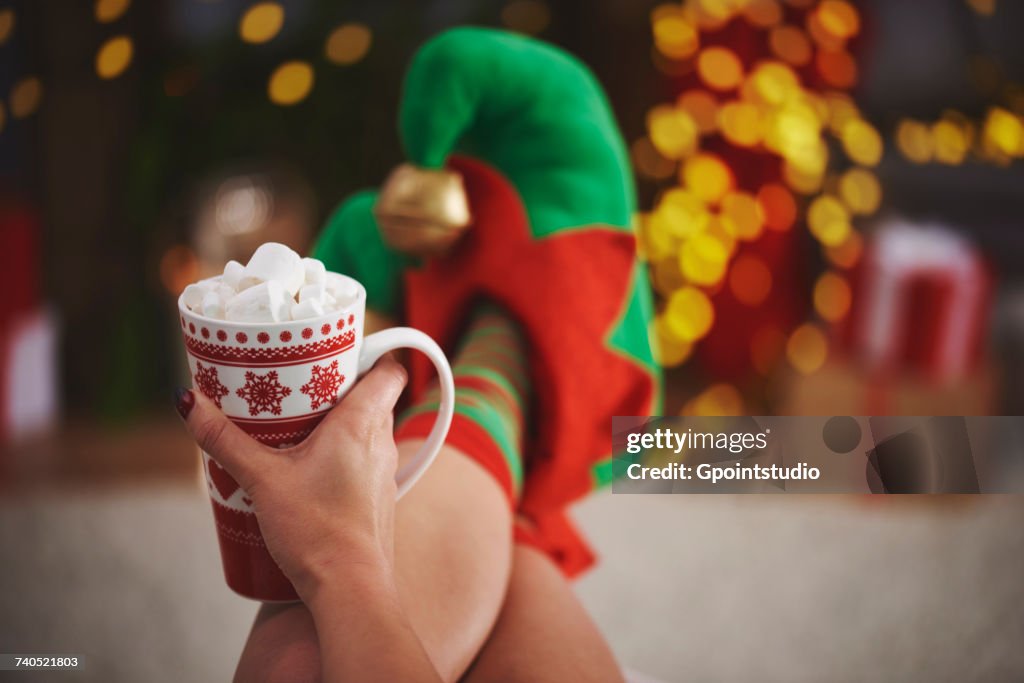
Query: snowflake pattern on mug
point(323, 385)
point(207, 381)
point(263, 393)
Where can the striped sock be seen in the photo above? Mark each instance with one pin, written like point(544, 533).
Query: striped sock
point(491, 391)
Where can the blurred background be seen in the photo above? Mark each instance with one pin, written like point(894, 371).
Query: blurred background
point(831, 195)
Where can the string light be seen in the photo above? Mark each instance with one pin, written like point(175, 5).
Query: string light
point(261, 22)
point(672, 130)
point(914, 141)
point(290, 83)
point(860, 191)
point(675, 36)
point(114, 57)
point(862, 142)
point(828, 220)
point(743, 215)
point(707, 176)
point(348, 44)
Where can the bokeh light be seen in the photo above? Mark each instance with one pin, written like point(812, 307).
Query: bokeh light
point(707, 176)
point(114, 57)
point(672, 130)
point(107, 11)
point(675, 36)
point(914, 141)
point(951, 142)
point(261, 22)
point(719, 399)
point(828, 220)
point(848, 253)
point(7, 21)
point(26, 96)
point(720, 68)
point(750, 280)
point(649, 162)
point(832, 297)
point(779, 206)
point(860, 191)
point(703, 259)
point(807, 348)
point(740, 123)
point(743, 215)
point(703, 107)
point(290, 83)
point(348, 44)
point(862, 142)
point(761, 13)
point(791, 45)
point(668, 349)
point(689, 314)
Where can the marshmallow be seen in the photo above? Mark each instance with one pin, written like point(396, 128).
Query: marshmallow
point(233, 273)
point(316, 272)
point(213, 304)
point(317, 292)
point(276, 262)
point(263, 303)
point(195, 292)
point(343, 290)
point(310, 308)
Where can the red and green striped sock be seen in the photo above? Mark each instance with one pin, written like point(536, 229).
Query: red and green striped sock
point(491, 392)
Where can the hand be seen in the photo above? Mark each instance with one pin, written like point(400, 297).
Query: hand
point(329, 501)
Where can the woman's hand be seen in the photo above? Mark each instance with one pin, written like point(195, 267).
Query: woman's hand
point(328, 503)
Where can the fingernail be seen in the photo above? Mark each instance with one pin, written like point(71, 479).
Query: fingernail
point(184, 401)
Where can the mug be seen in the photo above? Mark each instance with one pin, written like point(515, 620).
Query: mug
point(277, 381)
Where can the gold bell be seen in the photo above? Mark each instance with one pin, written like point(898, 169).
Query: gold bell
point(422, 211)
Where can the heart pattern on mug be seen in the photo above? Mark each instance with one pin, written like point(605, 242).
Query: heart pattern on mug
point(221, 480)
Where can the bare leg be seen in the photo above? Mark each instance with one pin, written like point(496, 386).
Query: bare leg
point(452, 555)
point(543, 633)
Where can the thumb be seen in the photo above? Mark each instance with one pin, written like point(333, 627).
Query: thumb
point(243, 457)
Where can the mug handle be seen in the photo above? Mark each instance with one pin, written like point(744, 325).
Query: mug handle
point(376, 345)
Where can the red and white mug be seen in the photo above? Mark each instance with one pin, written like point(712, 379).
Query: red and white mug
point(277, 381)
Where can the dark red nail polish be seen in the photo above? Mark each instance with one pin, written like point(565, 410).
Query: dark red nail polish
point(184, 401)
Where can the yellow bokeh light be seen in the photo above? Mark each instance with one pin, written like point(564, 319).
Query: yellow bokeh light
point(703, 259)
point(740, 123)
point(839, 18)
point(720, 68)
point(718, 400)
point(762, 13)
point(807, 349)
point(951, 143)
point(114, 57)
point(707, 176)
point(915, 141)
point(26, 96)
point(290, 83)
point(750, 280)
point(107, 11)
point(801, 180)
point(526, 16)
point(832, 297)
point(668, 349)
point(673, 131)
point(1004, 131)
point(860, 191)
point(743, 214)
point(862, 142)
point(689, 314)
point(774, 83)
point(680, 213)
point(791, 45)
point(828, 220)
point(261, 22)
point(822, 33)
point(702, 106)
point(675, 36)
point(847, 254)
point(348, 44)
point(7, 21)
point(666, 275)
